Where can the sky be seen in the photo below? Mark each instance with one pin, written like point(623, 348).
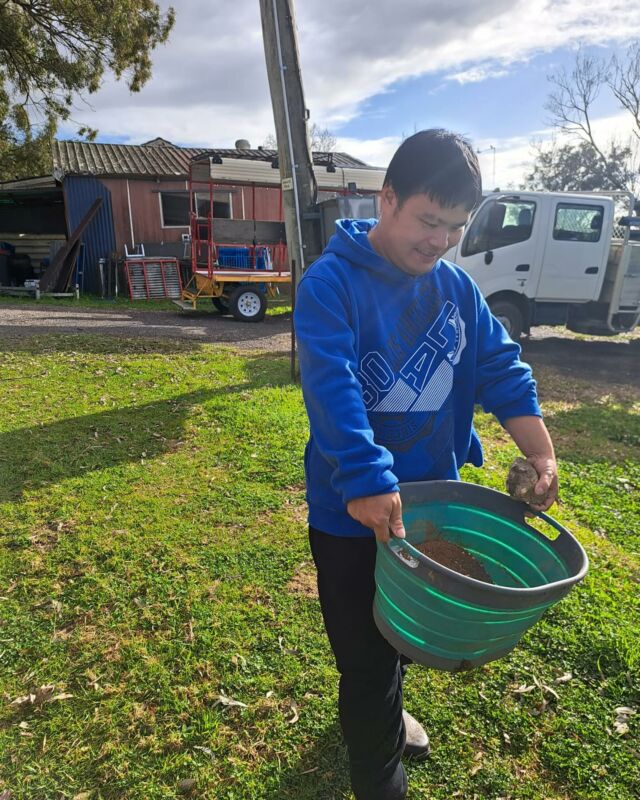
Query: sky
point(373, 74)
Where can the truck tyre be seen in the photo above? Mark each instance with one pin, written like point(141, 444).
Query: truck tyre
point(510, 316)
point(248, 304)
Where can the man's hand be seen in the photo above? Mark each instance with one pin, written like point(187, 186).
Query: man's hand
point(532, 437)
point(380, 512)
point(547, 485)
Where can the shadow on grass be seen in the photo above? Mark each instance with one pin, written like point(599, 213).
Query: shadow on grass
point(36, 342)
point(33, 457)
point(39, 455)
point(603, 361)
point(321, 774)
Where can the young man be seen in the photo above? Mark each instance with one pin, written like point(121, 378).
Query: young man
point(396, 346)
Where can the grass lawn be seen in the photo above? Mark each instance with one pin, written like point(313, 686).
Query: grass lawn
point(277, 305)
point(158, 622)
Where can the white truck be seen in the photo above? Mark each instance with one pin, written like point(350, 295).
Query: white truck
point(544, 258)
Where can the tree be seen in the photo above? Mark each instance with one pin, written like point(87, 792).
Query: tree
point(579, 168)
point(320, 139)
point(571, 107)
point(51, 50)
point(26, 154)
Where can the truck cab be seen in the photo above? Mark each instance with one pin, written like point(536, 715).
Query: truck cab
point(553, 258)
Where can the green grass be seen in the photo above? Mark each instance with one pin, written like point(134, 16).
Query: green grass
point(277, 305)
point(153, 558)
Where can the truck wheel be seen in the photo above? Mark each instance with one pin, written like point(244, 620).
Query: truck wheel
point(247, 304)
point(510, 316)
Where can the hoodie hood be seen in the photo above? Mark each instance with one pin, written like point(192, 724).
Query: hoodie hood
point(351, 243)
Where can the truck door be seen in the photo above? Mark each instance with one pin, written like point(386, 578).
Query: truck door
point(575, 253)
point(498, 249)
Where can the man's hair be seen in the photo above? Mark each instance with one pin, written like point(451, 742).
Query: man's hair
point(438, 163)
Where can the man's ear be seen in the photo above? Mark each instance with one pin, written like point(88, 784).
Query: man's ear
point(388, 197)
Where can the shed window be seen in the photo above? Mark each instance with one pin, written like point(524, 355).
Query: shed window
point(175, 207)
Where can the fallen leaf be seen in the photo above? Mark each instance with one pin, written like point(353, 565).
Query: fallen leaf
point(621, 728)
point(61, 696)
point(186, 786)
point(523, 689)
point(223, 700)
point(296, 716)
point(207, 751)
point(565, 678)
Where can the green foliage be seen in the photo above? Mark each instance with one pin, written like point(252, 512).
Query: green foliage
point(27, 154)
point(579, 167)
point(53, 49)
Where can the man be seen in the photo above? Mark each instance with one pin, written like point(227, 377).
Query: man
point(396, 346)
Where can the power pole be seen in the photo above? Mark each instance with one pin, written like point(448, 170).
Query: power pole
point(290, 117)
point(295, 161)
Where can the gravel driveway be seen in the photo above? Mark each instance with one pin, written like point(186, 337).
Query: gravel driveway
point(202, 327)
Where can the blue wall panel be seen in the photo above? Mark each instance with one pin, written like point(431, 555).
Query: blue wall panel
point(99, 237)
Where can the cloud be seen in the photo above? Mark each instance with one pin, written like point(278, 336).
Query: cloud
point(477, 74)
point(209, 82)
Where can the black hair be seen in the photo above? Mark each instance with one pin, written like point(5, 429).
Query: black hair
point(438, 163)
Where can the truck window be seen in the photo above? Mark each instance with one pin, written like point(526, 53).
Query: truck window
point(498, 224)
point(578, 223)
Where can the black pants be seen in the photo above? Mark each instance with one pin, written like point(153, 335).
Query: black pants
point(370, 701)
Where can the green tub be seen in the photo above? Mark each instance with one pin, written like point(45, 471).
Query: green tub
point(445, 620)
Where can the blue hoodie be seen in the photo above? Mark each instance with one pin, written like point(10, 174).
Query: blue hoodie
point(392, 365)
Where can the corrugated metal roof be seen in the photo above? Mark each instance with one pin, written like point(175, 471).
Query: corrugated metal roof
point(92, 158)
point(158, 158)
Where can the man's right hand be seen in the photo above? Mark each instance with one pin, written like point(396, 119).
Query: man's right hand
point(380, 512)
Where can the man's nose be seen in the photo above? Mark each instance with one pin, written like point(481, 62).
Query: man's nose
point(439, 238)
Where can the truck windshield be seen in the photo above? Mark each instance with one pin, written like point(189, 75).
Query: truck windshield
point(499, 223)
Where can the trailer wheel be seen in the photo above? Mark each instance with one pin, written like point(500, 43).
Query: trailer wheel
point(247, 304)
point(510, 316)
point(220, 304)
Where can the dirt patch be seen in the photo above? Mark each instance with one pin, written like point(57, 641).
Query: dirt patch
point(454, 557)
point(304, 582)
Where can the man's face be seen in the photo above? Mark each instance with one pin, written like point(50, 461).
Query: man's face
point(414, 235)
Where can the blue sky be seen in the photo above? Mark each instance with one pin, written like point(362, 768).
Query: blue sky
point(372, 74)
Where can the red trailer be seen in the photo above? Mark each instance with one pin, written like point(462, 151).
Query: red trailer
point(237, 263)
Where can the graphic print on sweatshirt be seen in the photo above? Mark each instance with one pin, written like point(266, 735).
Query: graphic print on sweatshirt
point(407, 389)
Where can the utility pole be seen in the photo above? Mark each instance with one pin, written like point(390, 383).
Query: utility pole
point(295, 161)
point(493, 150)
point(290, 117)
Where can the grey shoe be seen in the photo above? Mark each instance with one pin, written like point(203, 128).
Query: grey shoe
point(417, 745)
